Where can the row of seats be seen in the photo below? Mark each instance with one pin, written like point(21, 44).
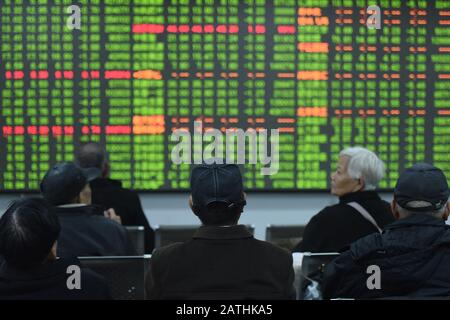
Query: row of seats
point(286, 236)
point(125, 275)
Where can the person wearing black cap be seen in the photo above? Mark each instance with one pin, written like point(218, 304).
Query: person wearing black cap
point(110, 193)
point(29, 267)
point(222, 260)
point(87, 230)
point(411, 257)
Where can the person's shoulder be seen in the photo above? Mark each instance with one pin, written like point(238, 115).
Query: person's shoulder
point(167, 250)
point(165, 255)
point(366, 246)
point(104, 222)
point(328, 212)
point(272, 249)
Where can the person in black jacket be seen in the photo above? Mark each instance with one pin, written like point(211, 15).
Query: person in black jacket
point(356, 177)
point(223, 260)
point(29, 268)
point(87, 230)
point(110, 193)
point(411, 258)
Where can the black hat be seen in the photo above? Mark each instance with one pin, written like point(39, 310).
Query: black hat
point(422, 182)
point(64, 181)
point(216, 183)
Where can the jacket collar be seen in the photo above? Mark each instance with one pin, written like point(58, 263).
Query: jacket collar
point(105, 182)
point(223, 233)
point(358, 196)
point(79, 210)
point(418, 219)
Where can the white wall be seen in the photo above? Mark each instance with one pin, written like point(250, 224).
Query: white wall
point(262, 208)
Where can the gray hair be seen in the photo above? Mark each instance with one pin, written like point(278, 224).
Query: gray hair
point(421, 204)
point(364, 164)
point(91, 154)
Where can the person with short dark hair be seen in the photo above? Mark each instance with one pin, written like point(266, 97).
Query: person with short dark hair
point(110, 193)
point(223, 260)
point(29, 267)
point(87, 230)
point(411, 257)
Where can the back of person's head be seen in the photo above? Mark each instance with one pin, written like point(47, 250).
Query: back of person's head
point(28, 230)
point(217, 195)
point(364, 164)
point(91, 155)
point(421, 188)
point(66, 183)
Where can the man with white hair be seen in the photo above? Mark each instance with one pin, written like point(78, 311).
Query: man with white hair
point(360, 210)
point(411, 257)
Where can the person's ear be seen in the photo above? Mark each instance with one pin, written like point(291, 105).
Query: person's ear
point(53, 254)
point(361, 184)
point(105, 171)
point(191, 205)
point(394, 210)
point(446, 212)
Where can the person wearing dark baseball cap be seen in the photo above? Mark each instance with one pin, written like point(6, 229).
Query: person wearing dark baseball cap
point(222, 260)
point(411, 256)
point(86, 230)
point(421, 188)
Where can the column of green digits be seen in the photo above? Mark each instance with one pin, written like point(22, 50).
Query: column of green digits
point(389, 149)
point(148, 97)
point(202, 53)
point(312, 100)
point(61, 89)
point(6, 55)
point(284, 57)
point(283, 100)
point(416, 93)
point(254, 85)
point(441, 93)
point(12, 91)
point(118, 88)
point(341, 91)
point(227, 40)
point(178, 90)
point(365, 89)
point(33, 110)
point(37, 57)
point(90, 65)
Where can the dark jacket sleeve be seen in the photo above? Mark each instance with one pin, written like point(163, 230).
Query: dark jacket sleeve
point(341, 277)
point(312, 241)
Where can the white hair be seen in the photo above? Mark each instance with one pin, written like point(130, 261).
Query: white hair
point(364, 164)
point(421, 204)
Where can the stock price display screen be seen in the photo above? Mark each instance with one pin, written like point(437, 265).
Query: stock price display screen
point(129, 73)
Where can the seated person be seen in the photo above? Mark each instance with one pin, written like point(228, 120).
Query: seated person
point(110, 194)
point(29, 269)
point(223, 260)
point(86, 230)
point(360, 210)
point(411, 257)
